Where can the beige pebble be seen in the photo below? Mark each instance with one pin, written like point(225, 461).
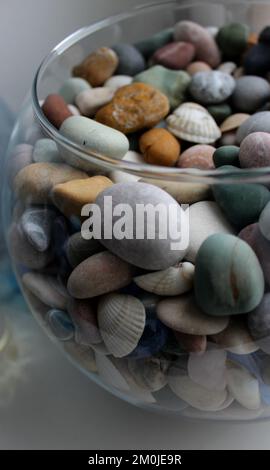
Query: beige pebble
point(198, 66)
point(90, 101)
point(184, 193)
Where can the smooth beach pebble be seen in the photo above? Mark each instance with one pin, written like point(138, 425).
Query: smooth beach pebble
point(197, 66)
point(47, 289)
point(252, 235)
point(79, 249)
point(233, 39)
point(205, 219)
point(226, 269)
point(228, 138)
point(97, 67)
point(220, 112)
point(259, 324)
point(208, 369)
point(226, 155)
point(84, 316)
point(174, 84)
point(56, 110)
point(152, 253)
point(211, 87)
point(257, 60)
point(160, 147)
point(72, 87)
point(60, 325)
point(96, 276)
point(72, 196)
point(90, 101)
point(236, 338)
point(182, 314)
point(74, 110)
point(94, 137)
point(46, 150)
point(176, 55)
point(259, 122)
point(34, 183)
point(241, 203)
point(227, 67)
point(184, 193)
point(148, 46)
point(36, 224)
point(205, 45)
point(118, 81)
point(21, 157)
point(243, 386)
point(233, 122)
point(197, 156)
point(191, 343)
point(250, 93)
point(23, 252)
point(264, 222)
point(255, 150)
point(131, 60)
point(133, 108)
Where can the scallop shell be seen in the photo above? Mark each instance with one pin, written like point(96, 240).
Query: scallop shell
point(193, 123)
point(243, 386)
point(121, 320)
point(233, 122)
point(149, 374)
point(172, 281)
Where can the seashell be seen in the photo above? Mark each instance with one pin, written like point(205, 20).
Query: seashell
point(172, 281)
point(236, 338)
point(84, 356)
point(121, 320)
point(233, 122)
point(193, 123)
point(209, 369)
point(243, 386)
point(109, 373)
point(101, 349)
point(193, 413)
point(194, 394)
point(151, 373)
point(136, 391)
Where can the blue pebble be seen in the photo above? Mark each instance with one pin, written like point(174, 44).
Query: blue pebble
point(131, 61)
point(61, 325)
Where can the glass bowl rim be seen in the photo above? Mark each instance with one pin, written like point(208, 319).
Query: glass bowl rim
point(142, 170)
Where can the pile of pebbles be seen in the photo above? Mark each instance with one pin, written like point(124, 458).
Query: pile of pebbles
point(183, 330)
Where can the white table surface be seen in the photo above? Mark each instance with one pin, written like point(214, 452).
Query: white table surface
point(57, 407)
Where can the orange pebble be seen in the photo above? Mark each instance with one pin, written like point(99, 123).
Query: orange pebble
point(160, 147)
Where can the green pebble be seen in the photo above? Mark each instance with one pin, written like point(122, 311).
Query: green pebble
point(241, 203)
point(228, 277)
point(173, 84)
point(149, 46)
point(232, 39)
point(227, 155)
point(72, 88)
point(220, 112)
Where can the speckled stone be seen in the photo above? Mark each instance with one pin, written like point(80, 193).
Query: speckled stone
point(176, 55)
point(255, 150)
point(211, 87)
point(233, 39)
point(147, 253)
point(96, 276)
point(197, 156)
point(241, 203)
point(131, 60)
point(227, 155)
point(97, 67)
point(226, 269)
point(172, 83)
point(251, 92)
point(78, 249)
point(205, 45)
point(259, 122)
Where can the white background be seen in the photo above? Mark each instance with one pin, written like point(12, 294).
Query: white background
point(56, 406)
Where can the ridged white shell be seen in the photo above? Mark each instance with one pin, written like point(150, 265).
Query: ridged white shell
point(193, 123)
point(172, 281)
point(243, 386)
point(121, 320)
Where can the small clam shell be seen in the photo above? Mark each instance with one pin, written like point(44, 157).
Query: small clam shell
point(121, 320)
point(194, 394)
point(236, 338)
point(209, 369)
point(243, 386)
point(109, 373)
point(193, 123)
point(136, 391)
point(233, 122)
point(83, 355)
point(172, 281)
point(149, 374)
